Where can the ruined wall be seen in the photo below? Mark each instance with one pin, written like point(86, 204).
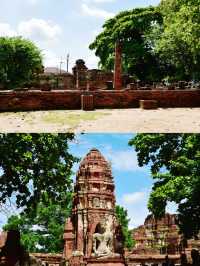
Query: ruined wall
point(157, 236)
point(43, 100)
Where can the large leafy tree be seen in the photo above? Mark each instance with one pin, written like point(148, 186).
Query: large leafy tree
point(35, 168)
point(44, 232)
point(131, 28)
point(122, 217)
point(175, 167)
point(179, 42)
point(160, 42)
point(20, 59)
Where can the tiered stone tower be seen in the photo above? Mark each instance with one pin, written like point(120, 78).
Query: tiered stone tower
point(92, 233)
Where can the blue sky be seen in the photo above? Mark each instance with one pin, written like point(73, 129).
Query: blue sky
point(62, 26)
point(132, 183)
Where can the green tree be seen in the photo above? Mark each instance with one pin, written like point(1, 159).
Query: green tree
point(35, 168)
point(20, 59)
point(175, 166)
point(179, 42)
point(131, 28)
point(44, 232)
point(123, 220)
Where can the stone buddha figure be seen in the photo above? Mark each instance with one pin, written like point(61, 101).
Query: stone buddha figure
point(103, 238)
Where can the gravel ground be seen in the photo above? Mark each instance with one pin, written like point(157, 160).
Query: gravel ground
point(185, 120)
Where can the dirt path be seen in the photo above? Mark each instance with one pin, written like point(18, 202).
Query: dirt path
point(126, 120)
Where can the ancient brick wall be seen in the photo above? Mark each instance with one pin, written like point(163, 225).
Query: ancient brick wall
point(65, 99)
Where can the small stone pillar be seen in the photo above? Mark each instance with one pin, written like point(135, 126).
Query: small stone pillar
point(118, 66)
point(68, 239)
point(148, 104)
point(87, 102)
point(80, 74)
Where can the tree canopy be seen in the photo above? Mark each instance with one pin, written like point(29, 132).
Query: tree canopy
point(175, 163)
point(20, 59)
point(179, 42)
point(35, 168)
point(44, 232)
point(160, 42)
point(130, 28)
point(122, 217)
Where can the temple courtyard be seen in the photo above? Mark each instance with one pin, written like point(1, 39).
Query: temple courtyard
point(184, 120)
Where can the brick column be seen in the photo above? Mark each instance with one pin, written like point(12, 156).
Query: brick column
point(118, 66)
point(68, 239)
point(80, 74)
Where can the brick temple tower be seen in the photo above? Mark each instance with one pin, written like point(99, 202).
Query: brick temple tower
point(92, 231)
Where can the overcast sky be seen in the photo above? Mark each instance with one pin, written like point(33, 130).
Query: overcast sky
point(62, 26)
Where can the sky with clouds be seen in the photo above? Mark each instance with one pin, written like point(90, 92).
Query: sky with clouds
point(132, 183)
point(60, 27)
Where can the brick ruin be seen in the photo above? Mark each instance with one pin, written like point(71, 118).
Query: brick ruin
point(92, 233)
point(89, 89)
point(84, 79)
point(158, 236)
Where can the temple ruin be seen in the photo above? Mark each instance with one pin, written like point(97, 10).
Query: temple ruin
point(90, 89)
point(91, 234)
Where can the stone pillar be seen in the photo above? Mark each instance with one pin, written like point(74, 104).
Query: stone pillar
point(68, 239)
point(87, 102)
point(80, 74)
point(118, 66)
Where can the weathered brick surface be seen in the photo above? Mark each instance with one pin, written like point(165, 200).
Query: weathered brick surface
point(148, 104)
point(71, 99)
point(87, 102)
point(105, 262)
point(40, 100)
point(131, 98)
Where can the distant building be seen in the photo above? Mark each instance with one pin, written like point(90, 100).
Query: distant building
point(54, 70)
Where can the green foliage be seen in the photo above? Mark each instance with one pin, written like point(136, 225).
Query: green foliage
point(19, 60)
point(123, 220)
point(35, 168)
point(131, 28)
point(158, 42)
point(44, 232)
point(179, 43)
point(175, 167)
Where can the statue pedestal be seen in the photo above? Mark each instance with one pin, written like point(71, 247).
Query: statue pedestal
point(105, 261)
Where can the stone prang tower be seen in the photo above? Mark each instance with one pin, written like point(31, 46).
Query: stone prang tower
point(92, 232)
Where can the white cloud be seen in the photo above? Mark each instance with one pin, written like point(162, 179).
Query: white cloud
point(125, 160)
point(39, 29)
point(50, 59)
point(136, 205)
point(96, 12)
point(92, 61)
point(6, 30)
point(103, 1)
point(33, 2)
point(133, 197)
point(99, 1)
point(44, 33)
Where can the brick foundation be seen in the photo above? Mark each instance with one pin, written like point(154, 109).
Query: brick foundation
point(65, 99)
point(106, 262)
